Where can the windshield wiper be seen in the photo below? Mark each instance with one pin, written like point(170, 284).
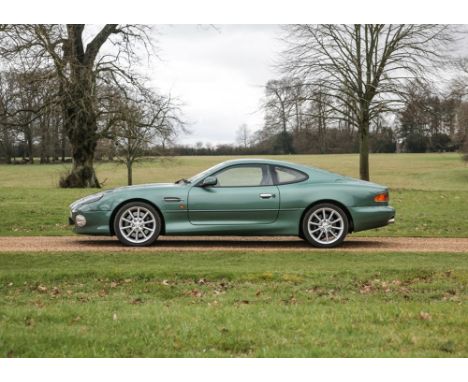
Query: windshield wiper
point(183, 180)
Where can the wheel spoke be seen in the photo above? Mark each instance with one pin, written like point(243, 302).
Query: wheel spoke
point(326, 225)
point(134, 227)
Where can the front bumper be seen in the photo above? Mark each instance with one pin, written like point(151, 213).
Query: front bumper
point(97, 222)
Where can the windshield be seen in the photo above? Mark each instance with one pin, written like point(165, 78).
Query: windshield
point(202, 174)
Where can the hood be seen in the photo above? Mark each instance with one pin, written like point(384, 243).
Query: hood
point(148, 186)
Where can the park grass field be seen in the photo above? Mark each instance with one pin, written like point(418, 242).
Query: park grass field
point(233, 304)
point(429, 191)
point(238, 303)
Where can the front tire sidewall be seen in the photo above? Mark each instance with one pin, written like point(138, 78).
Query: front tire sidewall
point(152, 238)
point(310, 239)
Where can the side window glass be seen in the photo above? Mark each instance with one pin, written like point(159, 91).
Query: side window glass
point(288, 175)
point(243, 176)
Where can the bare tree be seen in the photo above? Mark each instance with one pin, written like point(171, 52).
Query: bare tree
point(140, 120)
point(243, 136)
point(78, 67)
point(279, 107)
point(363, 66)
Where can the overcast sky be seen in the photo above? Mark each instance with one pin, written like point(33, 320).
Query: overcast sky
point(218, 73)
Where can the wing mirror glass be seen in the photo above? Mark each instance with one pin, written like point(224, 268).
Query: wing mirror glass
point(209, 181)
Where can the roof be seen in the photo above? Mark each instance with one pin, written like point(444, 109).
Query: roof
point(262, 160)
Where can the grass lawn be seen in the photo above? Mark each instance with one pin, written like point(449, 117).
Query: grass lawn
point(219, 304)
point(429, 191)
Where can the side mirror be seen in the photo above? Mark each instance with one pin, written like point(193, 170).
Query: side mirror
point(209, 181)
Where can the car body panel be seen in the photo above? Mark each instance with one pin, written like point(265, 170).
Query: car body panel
point(233, 205)
point(189, 209)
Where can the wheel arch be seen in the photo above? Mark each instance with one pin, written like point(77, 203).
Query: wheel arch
point(116, 209)
point(329, 201)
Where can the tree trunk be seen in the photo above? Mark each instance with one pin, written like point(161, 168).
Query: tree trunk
point(81, 128)
point(63, 144)
point(83, 141)
point(285, 132)
point(29, 142)
point(129, 172)
point(44, 152)
point(364, 149)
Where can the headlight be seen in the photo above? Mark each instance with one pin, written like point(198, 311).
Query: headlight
point(87, 200)
point(80, 221)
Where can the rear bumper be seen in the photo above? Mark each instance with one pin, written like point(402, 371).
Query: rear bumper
point(372, 217)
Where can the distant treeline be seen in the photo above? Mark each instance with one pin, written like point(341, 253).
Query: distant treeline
point(427, 121)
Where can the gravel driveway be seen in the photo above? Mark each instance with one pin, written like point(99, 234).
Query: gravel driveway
point(228, 243)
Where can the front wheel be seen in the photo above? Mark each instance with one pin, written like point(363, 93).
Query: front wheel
point(137, 224)
point(325, 225)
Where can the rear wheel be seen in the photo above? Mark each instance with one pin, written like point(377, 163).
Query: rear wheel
point(137, 224)
point(325, 225)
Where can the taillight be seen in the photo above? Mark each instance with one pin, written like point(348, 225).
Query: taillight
point(381, 198)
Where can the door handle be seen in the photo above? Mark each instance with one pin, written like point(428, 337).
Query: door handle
point(267, 196)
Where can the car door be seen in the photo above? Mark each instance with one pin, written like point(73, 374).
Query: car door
point(244, 194)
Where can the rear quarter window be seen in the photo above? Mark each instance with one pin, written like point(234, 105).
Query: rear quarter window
point(285, 175)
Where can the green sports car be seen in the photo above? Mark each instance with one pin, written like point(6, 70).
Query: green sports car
point(238, 197)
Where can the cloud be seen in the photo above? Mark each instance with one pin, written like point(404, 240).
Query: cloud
point(218, 73)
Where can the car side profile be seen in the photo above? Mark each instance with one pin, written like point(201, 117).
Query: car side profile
point(239, 197)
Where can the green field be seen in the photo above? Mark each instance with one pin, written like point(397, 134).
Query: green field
point(223, 304)
point(237, 303)
point(429, 191)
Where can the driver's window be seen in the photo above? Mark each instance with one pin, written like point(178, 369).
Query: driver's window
point(243, 176)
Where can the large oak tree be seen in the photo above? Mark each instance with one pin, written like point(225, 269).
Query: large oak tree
point(79, 61)
point(363, 67)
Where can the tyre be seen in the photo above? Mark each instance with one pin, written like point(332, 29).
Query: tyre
point(137, 224)
point(325, 225)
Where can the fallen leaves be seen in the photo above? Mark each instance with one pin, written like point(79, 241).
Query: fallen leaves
point(76, 319)
point(41, 288)
point(378, 285)
point(425, 316)
point(365, 289)
point(29, 321)
point(194, 293)
point(39, 304)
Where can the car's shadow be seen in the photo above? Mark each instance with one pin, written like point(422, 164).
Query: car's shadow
point(234, 243)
